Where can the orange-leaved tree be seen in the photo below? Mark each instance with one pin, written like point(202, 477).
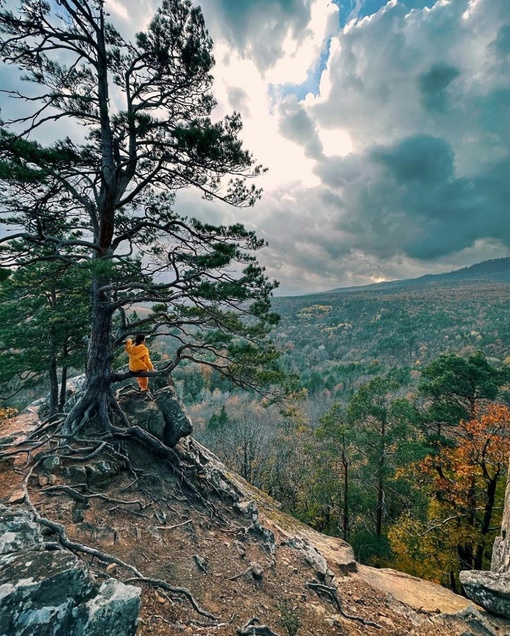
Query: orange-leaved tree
point(465, 484)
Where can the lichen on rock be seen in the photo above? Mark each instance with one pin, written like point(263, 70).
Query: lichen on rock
point(50, 592)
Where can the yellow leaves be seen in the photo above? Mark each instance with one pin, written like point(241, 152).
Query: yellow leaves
point(414, 544)
point(314, 311)
point(6, 413)
point(463, 480)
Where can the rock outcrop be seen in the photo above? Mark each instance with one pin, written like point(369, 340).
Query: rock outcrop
point(46, 591)
point(491, 590)
point(160, 413)
point(501, 551)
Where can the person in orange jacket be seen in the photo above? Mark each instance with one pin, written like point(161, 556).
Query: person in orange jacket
point(139, 359)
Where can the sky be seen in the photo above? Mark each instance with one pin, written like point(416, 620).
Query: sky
point(385, 128)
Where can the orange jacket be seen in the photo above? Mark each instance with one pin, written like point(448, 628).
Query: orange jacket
point(139, 359)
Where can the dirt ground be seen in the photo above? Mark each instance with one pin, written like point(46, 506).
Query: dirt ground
point(202, 542)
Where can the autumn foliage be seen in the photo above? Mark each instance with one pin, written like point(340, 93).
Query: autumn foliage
point(461, 482)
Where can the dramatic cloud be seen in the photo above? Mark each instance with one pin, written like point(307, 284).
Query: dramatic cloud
point(259, 29)
point(423, 97)
point(384, 126)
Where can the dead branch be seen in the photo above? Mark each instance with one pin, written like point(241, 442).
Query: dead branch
point(199, 625)
point(238, 576)
point(331, 593)
point(201, 563)
point(82, 498)
point(133, 512)
point(157, 583)
point(253, 628)
point(177, 525)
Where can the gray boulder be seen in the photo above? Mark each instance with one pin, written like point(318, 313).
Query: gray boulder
point(162, 414)
point(501, 551)
point(491, 589)
point(488, 589)
point(177, 421)
point(312, 557)
point(18, 531)
point(50, 592)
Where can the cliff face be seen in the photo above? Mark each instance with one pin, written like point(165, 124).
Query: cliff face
point(491, 589)
point(209, 553)
point(49, 592)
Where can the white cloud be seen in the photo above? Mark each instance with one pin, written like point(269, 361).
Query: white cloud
point(398, 166)
point(117, 9)
point(302, 51)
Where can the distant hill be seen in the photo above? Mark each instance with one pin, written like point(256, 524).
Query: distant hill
point(494, 270)
point(338, 339)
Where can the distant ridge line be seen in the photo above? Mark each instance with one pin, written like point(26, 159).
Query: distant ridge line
point(493, 270)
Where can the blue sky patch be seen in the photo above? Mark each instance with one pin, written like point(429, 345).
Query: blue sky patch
point(350, 9)
point(311, 84)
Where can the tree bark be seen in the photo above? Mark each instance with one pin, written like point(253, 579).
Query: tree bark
point(63, 389)
point(490, 498)
point(346, 498)
point(53, 387)
point(98, 396)
point(380, 481)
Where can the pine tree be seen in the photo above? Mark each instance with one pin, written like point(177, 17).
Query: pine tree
point(105, 202)
point(44, 317)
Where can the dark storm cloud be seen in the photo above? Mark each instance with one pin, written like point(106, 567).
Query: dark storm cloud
point(420, 159)
point(406, 199)
point(257, 28)
point(297, 126)
point(434, 84)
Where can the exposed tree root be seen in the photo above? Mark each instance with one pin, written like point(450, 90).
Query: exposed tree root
point(253, 628)
point(199, 625)
point(82, 498)
point(163, 585)
point(254, 569)
point(170, 457)
point(77, 547)
point(177, 525)
point(331, 593)
point(240, 575)
point(48, 432)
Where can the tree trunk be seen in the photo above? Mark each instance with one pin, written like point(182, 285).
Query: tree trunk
point(465, 554)
point(490, 498)
point(98, 396)
point(345, 520)
point(63, 389)
point(53, 387)
point(63, 379)
point(380, 506)
point(380, 481)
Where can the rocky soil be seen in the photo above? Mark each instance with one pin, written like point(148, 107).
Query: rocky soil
point(226, 551)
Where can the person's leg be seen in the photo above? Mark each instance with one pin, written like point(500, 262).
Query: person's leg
point(143, 383)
